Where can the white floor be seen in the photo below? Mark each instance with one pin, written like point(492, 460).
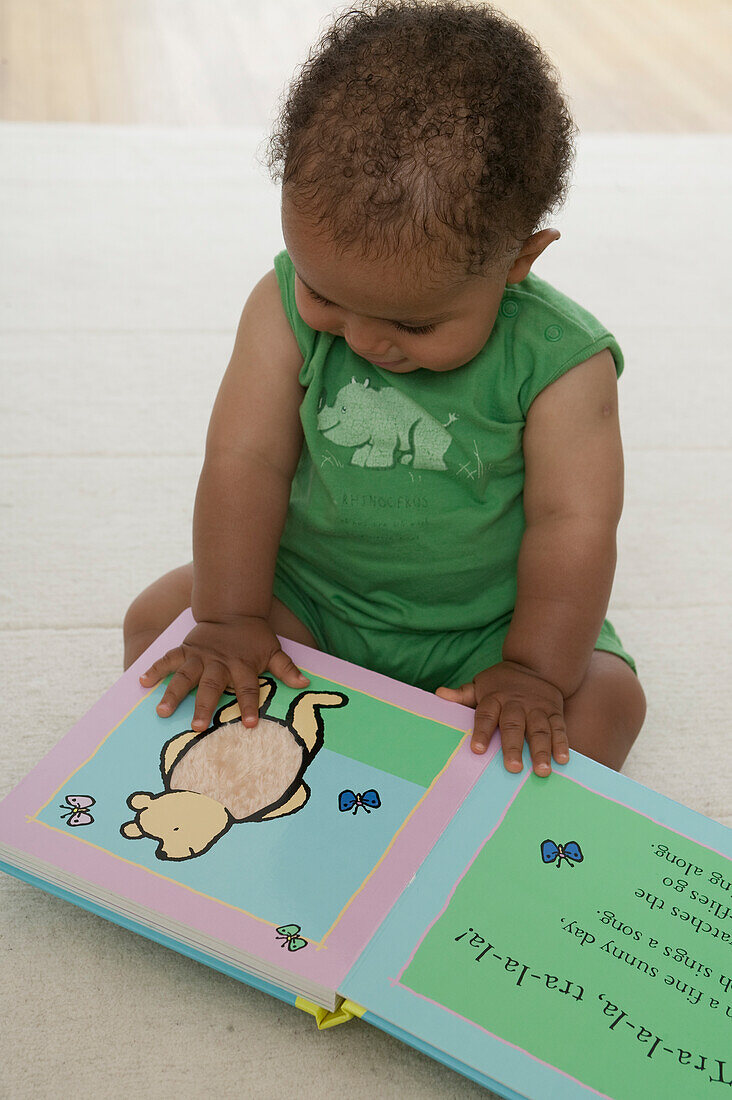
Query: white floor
point(127, 255)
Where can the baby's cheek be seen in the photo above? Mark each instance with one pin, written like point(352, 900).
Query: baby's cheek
point(318, 319)
point(303, 308)
point(446, 358)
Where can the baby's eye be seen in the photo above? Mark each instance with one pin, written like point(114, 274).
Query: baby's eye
point(421, 330)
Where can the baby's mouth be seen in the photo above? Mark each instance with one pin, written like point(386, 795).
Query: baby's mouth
point(392, 363)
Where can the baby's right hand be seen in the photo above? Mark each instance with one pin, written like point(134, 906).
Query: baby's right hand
point(220, 655)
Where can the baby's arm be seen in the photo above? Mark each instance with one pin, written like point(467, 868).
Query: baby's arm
point(573, 497)
point(252, 449)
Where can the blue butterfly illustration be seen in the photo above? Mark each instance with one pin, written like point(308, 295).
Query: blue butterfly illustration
point(288, 933)
point(570, 851)
point(348, 800)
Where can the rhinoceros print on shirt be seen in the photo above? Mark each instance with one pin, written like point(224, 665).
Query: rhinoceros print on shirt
point(384, 425)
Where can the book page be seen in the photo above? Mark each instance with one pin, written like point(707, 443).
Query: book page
point(289, 843)
point(567, 936)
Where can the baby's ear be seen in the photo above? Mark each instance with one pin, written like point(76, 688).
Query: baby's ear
point(531, 249)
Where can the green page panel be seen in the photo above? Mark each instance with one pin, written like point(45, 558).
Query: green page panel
point(632, 942)
point(384, 736)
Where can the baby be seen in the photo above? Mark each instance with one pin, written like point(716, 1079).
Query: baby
point(414, 459)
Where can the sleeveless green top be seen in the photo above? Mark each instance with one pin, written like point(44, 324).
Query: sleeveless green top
point(406, 507)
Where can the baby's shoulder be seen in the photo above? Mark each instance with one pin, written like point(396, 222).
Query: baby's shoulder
point(545, 333)
point(534, 302)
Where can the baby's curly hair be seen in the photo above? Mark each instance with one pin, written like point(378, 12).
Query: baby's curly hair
point(415, 122)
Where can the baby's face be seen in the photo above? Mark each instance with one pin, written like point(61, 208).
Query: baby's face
point(382, 311)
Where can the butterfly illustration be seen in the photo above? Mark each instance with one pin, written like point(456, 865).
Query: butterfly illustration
point(347, 800)
point(288, 933)
point(570, 851)
point(76, 809)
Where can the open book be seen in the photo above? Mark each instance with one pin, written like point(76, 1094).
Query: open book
point(562, 937)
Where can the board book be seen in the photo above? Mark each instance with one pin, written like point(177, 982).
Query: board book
point(549, 938)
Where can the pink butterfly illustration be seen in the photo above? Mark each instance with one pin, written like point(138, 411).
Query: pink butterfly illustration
point(76, 809)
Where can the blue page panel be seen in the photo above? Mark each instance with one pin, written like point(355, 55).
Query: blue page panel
point(626, 980)
point(440, 1056)
point(320, 856)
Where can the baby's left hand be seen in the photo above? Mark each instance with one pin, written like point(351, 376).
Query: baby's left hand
point(523, 705)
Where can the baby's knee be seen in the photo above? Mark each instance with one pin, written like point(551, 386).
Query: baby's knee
point(629, 714)
point(606, 713)
point(139, 614)
point(140, 627)
point(635, 701)
point(157, 605)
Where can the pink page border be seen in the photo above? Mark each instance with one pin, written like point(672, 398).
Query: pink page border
point(362, 914)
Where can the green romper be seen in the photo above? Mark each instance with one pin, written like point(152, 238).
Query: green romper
point(401, 544)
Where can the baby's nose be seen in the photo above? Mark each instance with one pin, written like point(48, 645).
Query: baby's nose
point(379, 351)
point(367, 338)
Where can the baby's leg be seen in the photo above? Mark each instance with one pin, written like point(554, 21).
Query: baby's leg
point(162, 601)
point(154, 609)
point(605, 714)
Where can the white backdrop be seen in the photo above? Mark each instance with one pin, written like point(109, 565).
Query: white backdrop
point(127, 256)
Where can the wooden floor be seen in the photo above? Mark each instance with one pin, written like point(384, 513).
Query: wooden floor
point(638, 65)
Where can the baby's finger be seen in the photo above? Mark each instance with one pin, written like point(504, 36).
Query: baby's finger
point(210, 688)
point(160, 668)
point(465, 694)
point(560, 742)
point(246, 687)
point(513, 725)
point(539, 736)
point(487, 714)
point(181, 684)
point(286, 670)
